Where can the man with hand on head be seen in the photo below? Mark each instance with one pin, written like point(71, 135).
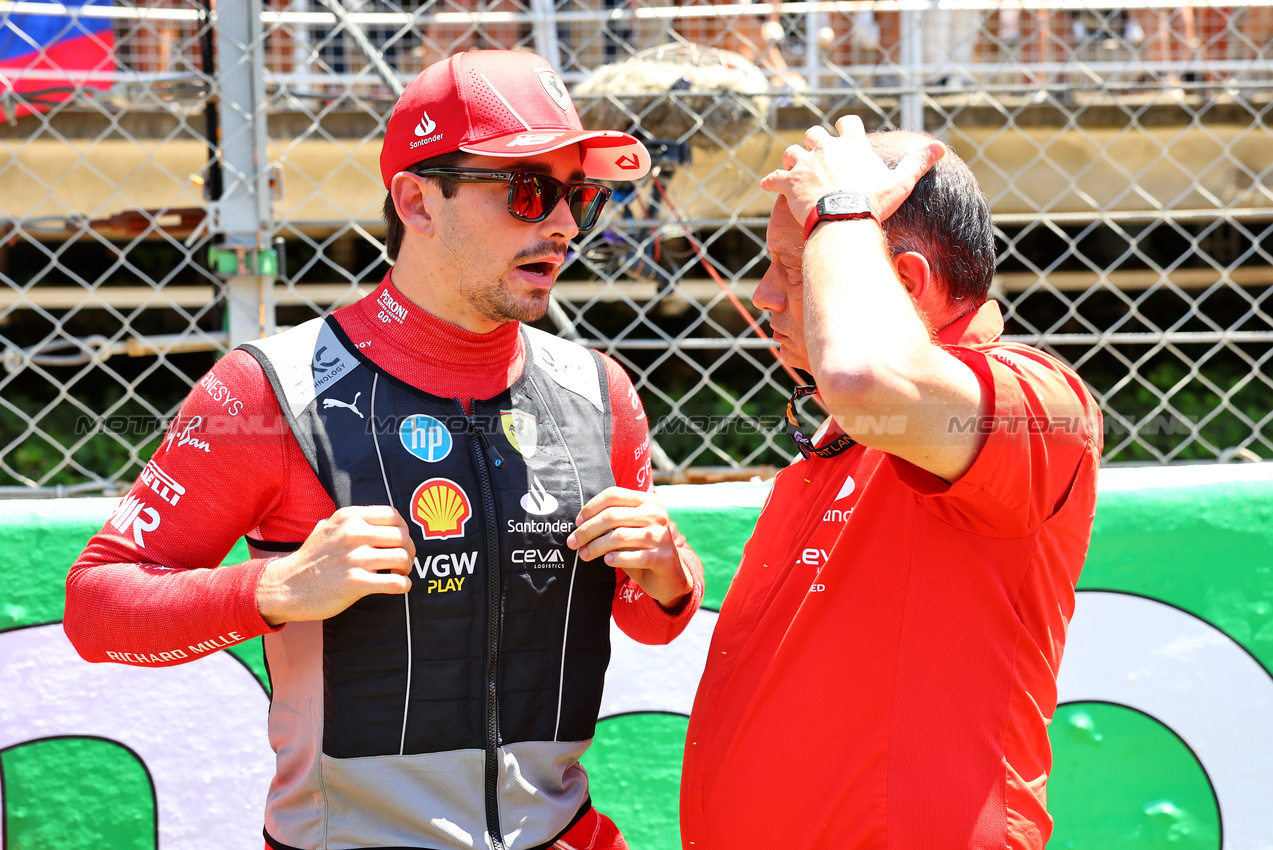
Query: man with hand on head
point(883, 670)
point(444, 507)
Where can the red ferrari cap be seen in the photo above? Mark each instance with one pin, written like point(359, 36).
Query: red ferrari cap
point(499, 103)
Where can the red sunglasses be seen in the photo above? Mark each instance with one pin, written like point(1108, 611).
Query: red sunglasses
point(532, 197)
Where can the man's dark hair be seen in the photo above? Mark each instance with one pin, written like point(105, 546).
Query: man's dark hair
point(946, 219)
point(393, 224)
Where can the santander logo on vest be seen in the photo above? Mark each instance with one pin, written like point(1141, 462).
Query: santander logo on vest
point(538, 500)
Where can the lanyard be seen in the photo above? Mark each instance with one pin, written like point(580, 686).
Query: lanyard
point(840, 444)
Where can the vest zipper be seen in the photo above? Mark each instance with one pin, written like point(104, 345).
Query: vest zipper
point(497, 460)
point(480, 453)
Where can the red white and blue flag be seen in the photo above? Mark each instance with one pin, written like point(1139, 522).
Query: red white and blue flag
point(45, 58)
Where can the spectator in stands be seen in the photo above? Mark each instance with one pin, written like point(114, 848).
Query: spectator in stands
point(884, 666)
point(1166, 38)
point(761, 42)
point(1256, 26)
point(949, 39)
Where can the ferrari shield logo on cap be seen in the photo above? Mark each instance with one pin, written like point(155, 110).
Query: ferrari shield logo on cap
point(556, 89)
point(522, 431)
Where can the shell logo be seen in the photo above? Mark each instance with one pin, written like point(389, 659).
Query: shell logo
point(440, 507)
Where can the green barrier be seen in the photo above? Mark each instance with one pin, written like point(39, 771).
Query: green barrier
point(1164, 736)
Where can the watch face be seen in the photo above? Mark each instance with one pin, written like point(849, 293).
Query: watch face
point(845, 203)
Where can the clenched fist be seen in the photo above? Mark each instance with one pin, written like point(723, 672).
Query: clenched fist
point(359, 550)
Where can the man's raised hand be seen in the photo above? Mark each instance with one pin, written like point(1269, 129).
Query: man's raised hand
point(631, 531)
point(846, 163)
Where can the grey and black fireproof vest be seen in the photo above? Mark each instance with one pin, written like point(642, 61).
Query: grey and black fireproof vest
point(454, 716)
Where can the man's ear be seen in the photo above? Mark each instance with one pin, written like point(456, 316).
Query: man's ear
point(416, 200)
point(915, 274)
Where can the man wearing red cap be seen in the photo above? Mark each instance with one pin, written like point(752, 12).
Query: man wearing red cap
point(444, 507)
point(883, 669)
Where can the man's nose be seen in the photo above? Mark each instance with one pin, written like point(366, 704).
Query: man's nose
point(768, 295)
point(561, 221)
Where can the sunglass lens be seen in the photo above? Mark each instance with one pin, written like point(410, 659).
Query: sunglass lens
point(585, 205)
point(534, 196)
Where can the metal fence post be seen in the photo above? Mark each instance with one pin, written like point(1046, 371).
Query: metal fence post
point(813, 23)
point(244, 215)
point(303, 52)
point(545, 27)
point(911, 58)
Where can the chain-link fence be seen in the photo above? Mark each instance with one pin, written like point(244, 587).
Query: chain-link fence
point(175, 178)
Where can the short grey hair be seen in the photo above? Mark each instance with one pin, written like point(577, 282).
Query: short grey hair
point(946, 219)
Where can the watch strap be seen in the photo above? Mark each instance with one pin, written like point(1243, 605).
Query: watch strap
point(818, 214)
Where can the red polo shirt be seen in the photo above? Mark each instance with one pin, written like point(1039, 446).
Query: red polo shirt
point(883, 670)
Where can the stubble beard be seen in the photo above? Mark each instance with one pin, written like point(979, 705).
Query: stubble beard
point(495, 302)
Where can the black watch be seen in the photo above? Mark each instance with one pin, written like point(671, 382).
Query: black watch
point(838, 206)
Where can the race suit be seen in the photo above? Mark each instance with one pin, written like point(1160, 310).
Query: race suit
point(451, 717)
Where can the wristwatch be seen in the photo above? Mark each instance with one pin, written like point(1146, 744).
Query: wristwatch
point(839, 206)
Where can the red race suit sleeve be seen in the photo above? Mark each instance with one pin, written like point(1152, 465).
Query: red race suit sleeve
point(150, 589)
point(638, 615)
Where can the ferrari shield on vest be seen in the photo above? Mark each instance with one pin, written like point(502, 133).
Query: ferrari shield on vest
point(453, 716)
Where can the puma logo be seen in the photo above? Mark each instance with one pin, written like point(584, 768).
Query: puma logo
point(348, 405)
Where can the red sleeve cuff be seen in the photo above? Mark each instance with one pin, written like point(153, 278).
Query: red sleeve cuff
point(1041, 423)
point(644, 620)
point(246, 608)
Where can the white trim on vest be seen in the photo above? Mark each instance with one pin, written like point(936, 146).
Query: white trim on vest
point(302, 378)
point(569, 364)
